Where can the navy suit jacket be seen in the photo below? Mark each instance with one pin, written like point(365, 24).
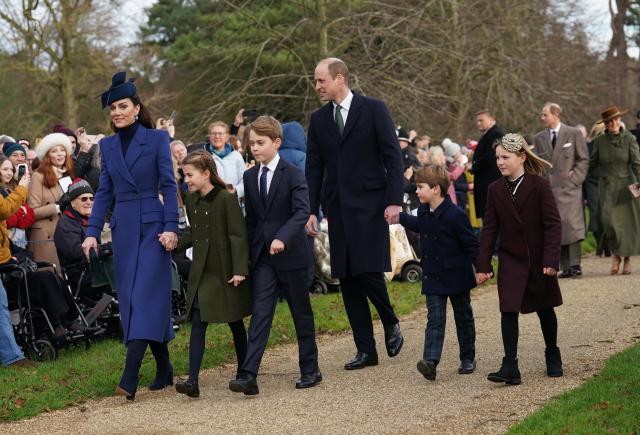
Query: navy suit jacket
point(283, 217)
point(364, 174)
point(448, 246)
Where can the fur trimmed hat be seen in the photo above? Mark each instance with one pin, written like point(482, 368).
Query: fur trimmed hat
point(52, 140)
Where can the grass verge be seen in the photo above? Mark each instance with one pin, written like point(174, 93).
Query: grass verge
point(607, 403)
point(79, 375)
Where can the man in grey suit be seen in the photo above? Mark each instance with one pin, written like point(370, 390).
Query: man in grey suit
point(566, 149)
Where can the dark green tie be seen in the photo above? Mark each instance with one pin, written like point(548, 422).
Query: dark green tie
point(339, 120)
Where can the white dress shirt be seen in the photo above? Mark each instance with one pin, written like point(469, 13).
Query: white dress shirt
point(345, 104)
point(272, 167)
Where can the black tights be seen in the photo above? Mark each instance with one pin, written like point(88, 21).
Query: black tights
point(197, 341)
point(510, 331)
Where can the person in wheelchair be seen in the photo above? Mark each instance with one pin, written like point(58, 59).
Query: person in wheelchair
point(69, 235)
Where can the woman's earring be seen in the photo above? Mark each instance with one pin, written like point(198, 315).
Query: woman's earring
point(136, 117)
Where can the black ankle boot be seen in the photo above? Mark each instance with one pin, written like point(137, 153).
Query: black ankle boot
point(188, 387)
point(554, 362)
point(508, 373)
point(163, 379)
point(164, 369)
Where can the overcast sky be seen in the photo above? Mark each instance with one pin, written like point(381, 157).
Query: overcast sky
point(596, 13)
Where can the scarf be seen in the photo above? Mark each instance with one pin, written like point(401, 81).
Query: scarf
point(77, 217)
point(228, 149)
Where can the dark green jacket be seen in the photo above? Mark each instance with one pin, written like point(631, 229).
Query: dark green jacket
point(220, 250)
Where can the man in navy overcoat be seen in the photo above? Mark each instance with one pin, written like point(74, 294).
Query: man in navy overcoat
point(352, 140)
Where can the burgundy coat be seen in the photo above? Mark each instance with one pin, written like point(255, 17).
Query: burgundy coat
point(529, 232)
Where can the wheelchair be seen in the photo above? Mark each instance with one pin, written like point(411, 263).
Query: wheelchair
point(32, 326)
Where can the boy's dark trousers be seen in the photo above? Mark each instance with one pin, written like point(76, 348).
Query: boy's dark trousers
point(436, 323)
point(266, 281)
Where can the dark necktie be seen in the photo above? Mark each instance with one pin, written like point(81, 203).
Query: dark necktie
point(554, 138)
point(339, 120)
point(263, 185)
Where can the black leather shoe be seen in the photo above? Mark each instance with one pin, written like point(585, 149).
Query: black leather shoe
point(393, 339)
point(554, 362)
point(309, 380)
point(467, 366)
point(566, 274)
point(427, 368)
point(508, 373)
point(188, 387)
point(576, 271)
point(362, 360)
point(244, 383)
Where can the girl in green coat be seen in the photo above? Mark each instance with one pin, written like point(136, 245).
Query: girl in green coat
point(217, 290)
point(616, 155)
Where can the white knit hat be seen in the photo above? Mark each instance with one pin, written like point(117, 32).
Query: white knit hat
point(52, 140)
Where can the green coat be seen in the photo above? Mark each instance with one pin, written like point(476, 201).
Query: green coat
point(220, 250)
point(618, 159)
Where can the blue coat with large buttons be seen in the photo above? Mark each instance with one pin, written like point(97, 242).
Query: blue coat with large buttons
point(449, 248)
point(142, 265)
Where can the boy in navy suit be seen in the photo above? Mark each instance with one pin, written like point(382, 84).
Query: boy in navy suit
point(277, 209)
point(449, 249)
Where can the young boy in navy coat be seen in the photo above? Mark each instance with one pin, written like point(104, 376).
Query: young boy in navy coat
point(277, 208)
point(449, 249)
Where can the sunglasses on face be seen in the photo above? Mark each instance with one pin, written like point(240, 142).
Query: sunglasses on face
point(86, 198)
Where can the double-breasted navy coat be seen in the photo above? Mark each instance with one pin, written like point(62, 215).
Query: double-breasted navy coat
point(448, 247)
point(364, 174)
point(142, 265)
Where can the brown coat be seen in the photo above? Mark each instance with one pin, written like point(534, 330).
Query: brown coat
point(570, 160)
point(529, 230)
point(43, 201)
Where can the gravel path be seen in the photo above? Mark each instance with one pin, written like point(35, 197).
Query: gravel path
point(599, 318)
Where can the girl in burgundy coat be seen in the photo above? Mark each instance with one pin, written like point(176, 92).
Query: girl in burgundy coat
point(522, 214)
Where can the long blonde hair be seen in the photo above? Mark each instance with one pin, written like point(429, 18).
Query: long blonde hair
point(532, 163)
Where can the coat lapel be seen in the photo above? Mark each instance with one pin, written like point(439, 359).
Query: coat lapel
point(562, 139)
point(136, 146)
point(252, 189)
point(352, 118)
point(118, 159)
point(509, 203)
point(330, 122)
point(275, 181)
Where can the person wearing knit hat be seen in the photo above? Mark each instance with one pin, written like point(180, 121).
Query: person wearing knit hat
point(61, 128)
point(77, 188)
point(53, 140)
point(15, 152)
point(451, 150)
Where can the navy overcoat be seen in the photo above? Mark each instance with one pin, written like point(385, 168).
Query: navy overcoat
point(364, 174)
point(448, 246)
point(142, 265)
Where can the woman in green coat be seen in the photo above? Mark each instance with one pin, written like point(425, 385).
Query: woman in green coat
point(617, 155)
point(217, 290)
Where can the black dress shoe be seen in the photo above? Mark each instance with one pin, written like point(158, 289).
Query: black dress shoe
point(576, 271)
point(467, 366)
point(427, 368)
point(244, 383)
point(309, 380)
point(188, 387)
point(393, 339)
point(362, 360)
point(566, 274)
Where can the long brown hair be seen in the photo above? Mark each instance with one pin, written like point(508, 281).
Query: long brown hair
point(144, 116)
point(532, 163)
point(49, 174)
point(202, 161)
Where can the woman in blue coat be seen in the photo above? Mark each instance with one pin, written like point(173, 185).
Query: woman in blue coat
point(136, 168)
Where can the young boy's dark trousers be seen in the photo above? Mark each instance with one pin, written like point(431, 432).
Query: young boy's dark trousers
point(436, 323)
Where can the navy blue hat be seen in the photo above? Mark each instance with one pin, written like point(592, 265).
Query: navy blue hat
point(11, 147)
point(120, 88)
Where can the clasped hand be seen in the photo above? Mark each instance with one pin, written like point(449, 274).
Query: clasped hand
point(169, 240)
